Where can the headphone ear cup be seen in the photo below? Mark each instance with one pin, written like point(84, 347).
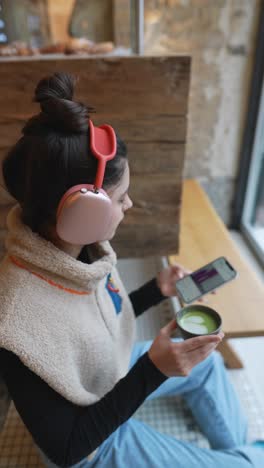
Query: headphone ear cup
point(84, 216)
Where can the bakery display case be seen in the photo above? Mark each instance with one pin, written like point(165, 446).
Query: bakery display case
point(37, 27)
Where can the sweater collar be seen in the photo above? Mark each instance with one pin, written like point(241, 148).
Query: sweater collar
point(39, 254)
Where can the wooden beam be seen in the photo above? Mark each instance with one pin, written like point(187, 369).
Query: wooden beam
point(231, 359)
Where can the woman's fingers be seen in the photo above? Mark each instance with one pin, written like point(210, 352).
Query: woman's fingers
point(202, 299)
point(199, 355)
point(201, 341)
point(185, 362)
point(181, 268)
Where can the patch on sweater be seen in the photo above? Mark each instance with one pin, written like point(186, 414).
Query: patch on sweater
point(113, 292)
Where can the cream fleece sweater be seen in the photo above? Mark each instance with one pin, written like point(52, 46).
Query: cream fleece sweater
point(58, 314)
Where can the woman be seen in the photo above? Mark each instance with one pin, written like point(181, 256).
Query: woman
point(67, 326)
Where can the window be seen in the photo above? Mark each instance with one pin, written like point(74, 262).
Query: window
point(248, 206)
point(253, 212)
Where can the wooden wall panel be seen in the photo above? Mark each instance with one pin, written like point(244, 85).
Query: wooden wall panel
point(145, 99)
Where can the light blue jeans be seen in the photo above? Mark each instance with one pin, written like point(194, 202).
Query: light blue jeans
point(215, 407)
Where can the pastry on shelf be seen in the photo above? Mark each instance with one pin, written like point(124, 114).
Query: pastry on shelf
point(57, 48)
point(78, 45)
point(19, 48)
point(102, 48)
point(74, 46)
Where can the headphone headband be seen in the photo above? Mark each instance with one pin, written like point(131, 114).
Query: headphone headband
point(103, 146)
point(85, 211)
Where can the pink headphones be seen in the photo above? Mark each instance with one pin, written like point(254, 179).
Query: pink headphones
point(85, 210)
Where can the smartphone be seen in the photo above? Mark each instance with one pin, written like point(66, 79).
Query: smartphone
point(205, 280)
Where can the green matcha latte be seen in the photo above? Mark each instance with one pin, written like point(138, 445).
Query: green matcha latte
point(198, 322)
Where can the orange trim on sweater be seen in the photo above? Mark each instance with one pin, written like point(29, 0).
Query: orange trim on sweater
point(52, 283)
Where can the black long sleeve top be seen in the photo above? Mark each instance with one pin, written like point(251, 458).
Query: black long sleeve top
point(64, 431)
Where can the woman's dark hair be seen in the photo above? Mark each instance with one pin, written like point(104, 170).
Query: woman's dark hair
point(54, 154)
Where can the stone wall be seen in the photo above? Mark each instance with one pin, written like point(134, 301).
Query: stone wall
point(220, 36)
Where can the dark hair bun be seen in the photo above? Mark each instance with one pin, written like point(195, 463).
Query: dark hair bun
point(59, 85)
point(55, 94)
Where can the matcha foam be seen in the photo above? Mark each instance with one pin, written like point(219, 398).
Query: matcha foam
point(198, 322)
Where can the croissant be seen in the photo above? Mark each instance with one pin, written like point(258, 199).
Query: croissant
point(102, 48)
point(58, 48)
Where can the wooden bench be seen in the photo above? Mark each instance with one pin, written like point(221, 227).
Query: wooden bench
point(204, 237)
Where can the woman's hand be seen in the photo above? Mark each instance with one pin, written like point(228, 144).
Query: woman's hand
point(167, 278)
point(178, 359)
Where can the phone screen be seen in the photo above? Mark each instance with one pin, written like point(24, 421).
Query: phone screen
point(205, 279)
